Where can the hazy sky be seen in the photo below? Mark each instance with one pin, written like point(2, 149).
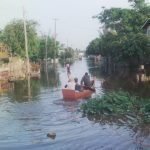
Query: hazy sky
point(75, 23)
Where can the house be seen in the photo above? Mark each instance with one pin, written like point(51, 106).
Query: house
point(146, 27)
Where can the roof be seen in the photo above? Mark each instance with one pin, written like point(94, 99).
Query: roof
point(147, 23)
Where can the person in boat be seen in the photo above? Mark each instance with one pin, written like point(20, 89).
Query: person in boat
point(78, 87)
point(70, 84)
point(86, 82)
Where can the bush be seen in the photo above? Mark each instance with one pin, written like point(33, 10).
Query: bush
point(118, 103)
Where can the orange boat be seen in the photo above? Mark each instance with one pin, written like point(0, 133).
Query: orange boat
point(69, 94)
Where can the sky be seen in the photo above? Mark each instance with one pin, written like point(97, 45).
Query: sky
point(75, 26)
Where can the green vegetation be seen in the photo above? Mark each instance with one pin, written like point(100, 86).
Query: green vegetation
point(119, 104)
point(122, 38)
point(52, 51)
point(121, 41)
point(67, 55)
point(13, 36)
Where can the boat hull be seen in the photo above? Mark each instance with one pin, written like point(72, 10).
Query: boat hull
point(69, 94)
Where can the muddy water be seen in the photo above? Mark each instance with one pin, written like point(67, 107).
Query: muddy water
point(25, 121)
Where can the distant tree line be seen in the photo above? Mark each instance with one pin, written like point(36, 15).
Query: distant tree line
point(123, 39)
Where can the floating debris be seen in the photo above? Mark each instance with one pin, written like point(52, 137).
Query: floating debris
point(51, 135)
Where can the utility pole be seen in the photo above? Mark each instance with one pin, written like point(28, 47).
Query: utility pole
point(46, 51)
point(26, 43)
point(27, 55)
point(55, 20)
point(67, 44)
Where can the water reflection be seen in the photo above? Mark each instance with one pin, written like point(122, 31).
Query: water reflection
point(94, 68)
point(30, 88)
point(24, 90)
point(124, 78)
point(5, 86)
point(127, 83)
point(50, 77)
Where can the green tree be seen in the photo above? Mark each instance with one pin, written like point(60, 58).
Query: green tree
point(42, 47)
point(94, 47)
point(123, 38)
point(68, 53)
point(13, 36)
point(138, 4)
point(135, 50)
point(52, 51)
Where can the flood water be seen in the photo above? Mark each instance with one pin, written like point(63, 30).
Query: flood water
point(25, 121)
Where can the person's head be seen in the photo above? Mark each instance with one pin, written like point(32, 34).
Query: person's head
point(86, 73)
point(76, 80)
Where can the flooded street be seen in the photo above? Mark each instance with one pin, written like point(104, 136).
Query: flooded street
point(25, 122)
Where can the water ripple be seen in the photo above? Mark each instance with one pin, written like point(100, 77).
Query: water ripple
point(26, 122)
